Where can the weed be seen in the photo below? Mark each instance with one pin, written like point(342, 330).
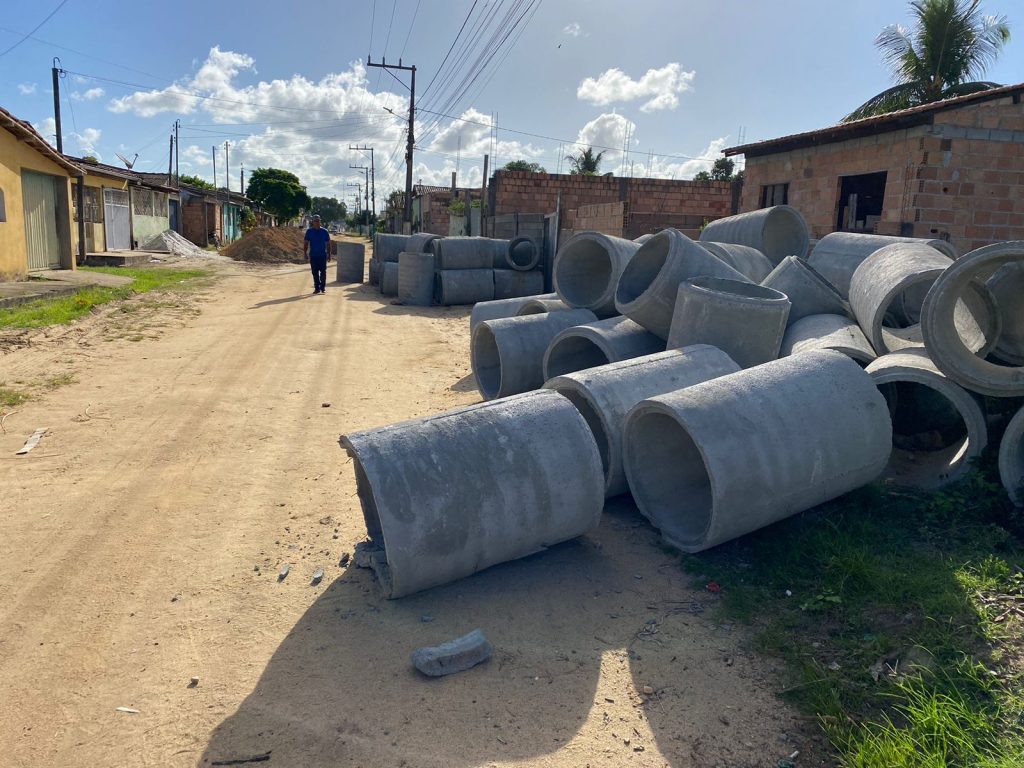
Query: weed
point(11, 398)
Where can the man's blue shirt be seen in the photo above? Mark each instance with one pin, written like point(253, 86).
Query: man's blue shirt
point(318, 240)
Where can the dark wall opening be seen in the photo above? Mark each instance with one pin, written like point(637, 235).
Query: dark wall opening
point(860, 202)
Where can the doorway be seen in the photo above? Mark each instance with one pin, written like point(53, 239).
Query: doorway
point(860, 202)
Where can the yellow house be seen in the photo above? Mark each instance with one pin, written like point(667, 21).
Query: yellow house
point(35, 202)
point(106, 204)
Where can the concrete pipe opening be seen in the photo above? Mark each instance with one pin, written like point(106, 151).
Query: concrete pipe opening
point(542, 306)
point(486, 362)
point(583, 272)
point(642, 269)
point(523, 254)
point(784, 234)
point(573, 353)
point(593, 418)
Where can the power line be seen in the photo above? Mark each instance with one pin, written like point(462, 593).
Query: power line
point(36, 28)
point(427, 89)
point(409, 34)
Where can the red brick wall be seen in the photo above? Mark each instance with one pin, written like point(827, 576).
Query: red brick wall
point(608, 218)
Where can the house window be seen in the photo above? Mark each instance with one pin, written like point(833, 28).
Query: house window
point(774, 194)
point(860, 202)
point(142, 202)
point(92, 205)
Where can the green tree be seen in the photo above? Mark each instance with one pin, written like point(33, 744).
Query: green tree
point(722, 170)
point(586, 163)
point(524, 165)
point(951, 45)
point(280, 192)
point(195, 181)
point(329, 208)
point(247, 221)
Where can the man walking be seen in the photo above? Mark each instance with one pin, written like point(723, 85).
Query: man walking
point(316, 248)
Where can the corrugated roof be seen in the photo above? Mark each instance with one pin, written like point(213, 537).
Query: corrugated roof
point(870, 125)
point(102, 169)
point(23, 130)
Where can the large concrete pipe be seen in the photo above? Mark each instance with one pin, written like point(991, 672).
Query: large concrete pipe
point(938, 427)
point(512, 283)
point(492, 310)
point(1011, 459)
point(809, 293)
point(463, 286)
point(836, 332)
point(749, 262)
point(374, 271)
point(726, 457)
point(1007, 287)
point(837, 255)
point(587, 269)
point(387, 247)
point(350, 262)
point(744, 320)
point(422, 242)
point(777, 232)
point(446, 496)
point(522, 254)
point(606, 341)
point(508, 354)
point(464, 253)
point(540, 305)
point(416, 279)
point(647, 288)
point(605, 395)
point(644, 238)
point(389, 278)
point(939, 322)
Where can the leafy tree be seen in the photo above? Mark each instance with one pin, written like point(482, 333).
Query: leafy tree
point(248, 219)
point(951, 45)
point(280, 192)
point(720, 171)
point(586, 163)
point(329, 208)
point(195, 181)
point(524, 165)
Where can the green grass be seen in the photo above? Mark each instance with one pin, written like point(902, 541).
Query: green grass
point(11, 398)
point(901, 630)
point(66, 309)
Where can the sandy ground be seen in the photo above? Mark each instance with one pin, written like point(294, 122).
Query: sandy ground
point(140, 545)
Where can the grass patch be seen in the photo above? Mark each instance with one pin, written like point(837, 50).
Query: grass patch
point(11, 398)
point(66, 309)
point(900, 616)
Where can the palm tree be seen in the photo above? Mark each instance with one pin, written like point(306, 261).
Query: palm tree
point(586, 163)
point(951, 45)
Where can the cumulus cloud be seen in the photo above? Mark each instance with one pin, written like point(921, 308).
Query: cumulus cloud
point(196, 156)
point(89, 95)
point(47, 128)
point(660, 87)
point(573, 30)
point(87, 140)
point(26, 89)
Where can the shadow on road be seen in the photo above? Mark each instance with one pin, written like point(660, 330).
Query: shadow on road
point(285, 300)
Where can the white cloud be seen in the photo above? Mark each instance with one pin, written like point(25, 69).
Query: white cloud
point(87, 140)
point(573, 30)
point(47, 129)
point(89, 95)
point(193, 156)
point(26, 89)
point(661, 87)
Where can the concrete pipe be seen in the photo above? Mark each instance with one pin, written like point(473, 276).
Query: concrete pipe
point(939, 322)
point(749, 262)
point(522, 254)
point(647, 288)
point(1011, 459)
point(463, 286)
point(837, 255)
point(726, 457)
point(508, 354)
point(587, 269)
point(350, 262)
point(540, 305)
point(464, 253)
point(416, 279)
point(809, 293)
point(605, 395)
point(1007, 287)
point(387, 247)
point(777, 232)
point(938, 427)
point(744, 320)
point(644, 238)
point(499, 252)
point(421, 243)
point(374, 271)
point(492, 310)
point(836, 332)
point(511, 283)
point(446, 496)
point(389, 278)
point(606, 341)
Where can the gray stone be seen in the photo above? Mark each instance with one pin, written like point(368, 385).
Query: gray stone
point(598, 343)
point(454, 656)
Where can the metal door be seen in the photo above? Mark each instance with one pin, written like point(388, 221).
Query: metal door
point(116, 220)
point(42, 239)
point(173, 215)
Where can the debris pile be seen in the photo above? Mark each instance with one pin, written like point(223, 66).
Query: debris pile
point(268, 245)
point(176, 245)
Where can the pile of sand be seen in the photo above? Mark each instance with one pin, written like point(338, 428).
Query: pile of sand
point(268, 245)
point(173, 243)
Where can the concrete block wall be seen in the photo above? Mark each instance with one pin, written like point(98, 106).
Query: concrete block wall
point(609, 218)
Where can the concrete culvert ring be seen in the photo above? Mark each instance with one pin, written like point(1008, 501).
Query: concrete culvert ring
point(1007, 287)
point(486, 361)
point(523, 254)
point(642, 269)
point(1011, 459)
point(583, 273)
point(540, 306)
point(837, 332)
point(573, 352)
point(784, 234)
point(596, 423)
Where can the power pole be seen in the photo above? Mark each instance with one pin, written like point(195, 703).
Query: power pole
point(366, 175)
point(227, 173)
point(55, 71)
point(410, 139)
point(241, 179)
point(177, 151)
point(359, 194)
point(373, 181)
point(214, 151)
point(170, 160)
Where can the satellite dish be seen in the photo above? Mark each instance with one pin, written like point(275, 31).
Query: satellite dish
point(126, 161)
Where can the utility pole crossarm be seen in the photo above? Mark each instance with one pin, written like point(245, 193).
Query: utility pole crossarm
point(410, 138)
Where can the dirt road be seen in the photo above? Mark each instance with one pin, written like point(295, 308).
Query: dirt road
point(140, 545)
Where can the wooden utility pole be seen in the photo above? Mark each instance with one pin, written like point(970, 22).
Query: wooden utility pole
point(410, 139)
point(373, 181)
point(177, 151)
point(55, 71)
point(170, 159)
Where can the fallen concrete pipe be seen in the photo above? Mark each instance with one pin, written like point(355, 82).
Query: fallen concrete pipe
point(647, 288)
point(539, 306)
point(512, 283)
point(942, 314)
point(777, 232)
point(464, 253)
point(463, 286)
point(606, 341)
point(605, 395)
point(508, 354)
point(422, 242)
point(492, 310)
point(836, 256)
point(446, 496)
point(374, 271)
point(387, 247)
point(744, 320)
point(522, 254)
point(1007, 287)
point(749, 262)
point(723, 458)
point(809, 293)
point(938, 427)
point(350, 262)
point(416, 279)
point(644, 238)
point(1011, 459)
point(389, 278)
point(835, 332)
point(587, 269)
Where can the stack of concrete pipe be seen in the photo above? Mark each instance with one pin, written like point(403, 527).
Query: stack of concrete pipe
point(475, 269)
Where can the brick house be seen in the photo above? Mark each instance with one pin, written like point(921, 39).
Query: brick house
point(952, 169)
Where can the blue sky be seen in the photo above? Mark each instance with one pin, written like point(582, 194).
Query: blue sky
point(672, 81)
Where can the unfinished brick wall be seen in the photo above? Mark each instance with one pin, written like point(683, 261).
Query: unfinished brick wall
point(960, 178)
point(608, 218)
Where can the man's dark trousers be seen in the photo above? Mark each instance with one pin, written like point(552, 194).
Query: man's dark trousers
point(318, 265)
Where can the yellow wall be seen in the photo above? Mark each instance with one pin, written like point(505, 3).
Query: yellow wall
point(99, 236)
point(16, 156)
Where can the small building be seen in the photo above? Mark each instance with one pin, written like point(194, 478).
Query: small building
point(35, 202)
point(106, 209)
point(952, 169)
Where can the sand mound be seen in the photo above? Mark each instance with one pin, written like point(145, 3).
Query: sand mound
point(268, 245)
point(173, 243)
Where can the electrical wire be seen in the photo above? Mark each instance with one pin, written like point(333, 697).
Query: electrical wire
point(464, 21)
point(409, 34)
point(36, 28)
